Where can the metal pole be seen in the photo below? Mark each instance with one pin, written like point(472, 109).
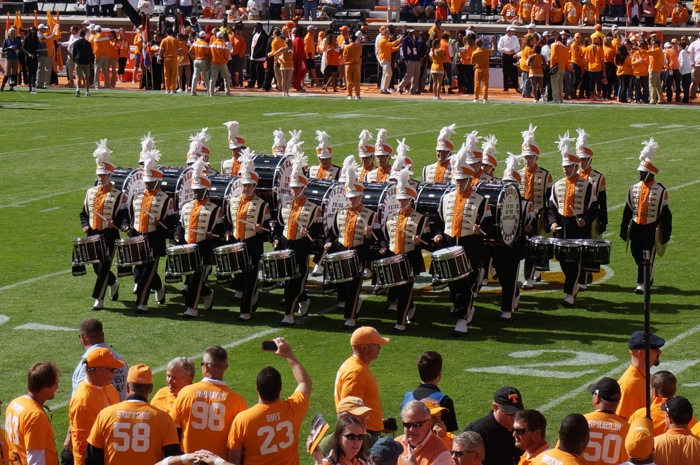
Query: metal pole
point(646, 259)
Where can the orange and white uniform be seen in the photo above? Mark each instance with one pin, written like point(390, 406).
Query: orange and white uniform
point(204, 412)
point(268, 434)
point(29, 432)
point(87, 402)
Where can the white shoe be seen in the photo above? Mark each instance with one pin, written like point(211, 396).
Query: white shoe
point(485, 100)
point(398, 328)
point(452, 309)
point(136, 287)
point(349, 98)
point(208, 301)
point(528, 284)
point(190, 313)
point(470, 314)
point(460, 328)
point(288, 320)
point(506, 315)
point(582, 287)
point(304, 307)
point(639, 289)
point(568, 301)
point(349, 323)
point(411, 313)
point(142, 309)
point(340, 304)
point(318, 270)
point(114, 291)
point(475, 100)
point(484, 282)
point(238, 295)
point(244, 317)
point(358, 98)
point(98, 305)
point(366, 273)
point(392, 306)
point(160, 295)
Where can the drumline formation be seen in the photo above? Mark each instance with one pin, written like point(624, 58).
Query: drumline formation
point(361, 221)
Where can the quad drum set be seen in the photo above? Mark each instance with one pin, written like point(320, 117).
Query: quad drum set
point(591, 253)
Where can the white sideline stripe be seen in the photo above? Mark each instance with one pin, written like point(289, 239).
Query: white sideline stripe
point(4, 319)
point(612, 373)
point(47, 196)
point(161, 368)
point(43, 327)
point(33, 280)
point(49, 209)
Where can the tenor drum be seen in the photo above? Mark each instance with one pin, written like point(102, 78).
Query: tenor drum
point(90, 249)
point(182, 260)
point(541, 250)
point(273, 185)
point(341, 267)
point(594, 252)
point(429, 196)
point(450, 264)
point(133, 251)
point(279, 265)
point(504, 200)
point(232, 259)
point(380, 198)
point(567, 250)
point(329, 195)
point(129, 181)
point(392, 271)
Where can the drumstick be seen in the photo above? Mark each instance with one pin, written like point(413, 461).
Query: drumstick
point(253, 224)
point(365, 222)
point(194, 230)
point(404, 230)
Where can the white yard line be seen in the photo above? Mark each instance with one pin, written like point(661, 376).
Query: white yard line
point(612, 373)
point(34, 199)
point(33, 280)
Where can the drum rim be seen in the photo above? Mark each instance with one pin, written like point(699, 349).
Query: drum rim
point(88, 239)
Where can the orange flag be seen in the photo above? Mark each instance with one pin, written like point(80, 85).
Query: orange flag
point(36, 18)
point(8, 23)
point(59, 50)
point(18, 21)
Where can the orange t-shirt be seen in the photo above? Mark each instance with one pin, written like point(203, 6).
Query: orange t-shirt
point(594, 57)
point(29, 429)
point(480, 58)
point(671, 56)
point(656, 60)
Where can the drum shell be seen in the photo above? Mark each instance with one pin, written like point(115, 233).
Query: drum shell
point(429, 197)
point(450, 264)
point(594, 252)
point(182, 260)
point(329, 195)
point(392, 271)
point(133, 251)
point(273, 183)
point(341, 267)
point(541, 250)
point(278, 266)
point(567, 251)
point(504, 200)
point(89, 249)
point(232, 259)
point(380, 198)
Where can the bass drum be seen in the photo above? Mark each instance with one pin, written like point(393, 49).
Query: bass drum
point(329, 195)
point(183, 186)
point(380, 198)
point(273, 185)
point(504, 200)
point(129, 181)
point(429, 196)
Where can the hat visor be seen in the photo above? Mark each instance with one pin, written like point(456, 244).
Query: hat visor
point(404, 197)
point(296, 184)
point(100, 171)
point(511, 409)
point(353, 194)
point(324, 156)
point(116, 364)
point(248, 181)
point(359, 410)
point(462, 176)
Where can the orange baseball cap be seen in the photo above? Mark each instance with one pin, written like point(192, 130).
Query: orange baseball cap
point(102, 357)
point(140, 374)
point(367, 335)
point(353, 405)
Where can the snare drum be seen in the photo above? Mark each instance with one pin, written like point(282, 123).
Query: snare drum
point(450, 264)
point(133, 251)
point(182, 260)
point(280, 265)
point(541, 250)
point(341, 267)
point(90, 249)
point(567, 250)
point(504, 200)
point(232, 259)
point(329, 195)
point(392, 271)
point(594, 252)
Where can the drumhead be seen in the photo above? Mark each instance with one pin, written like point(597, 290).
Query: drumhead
point(449, 251)
point(393, 259)
point(238, 246)
point(278, 254)
point(181, 249)
point(504, 200)
point(274, 172)
point(131, 240)
point(87, 239)
point(342, 255)
point(329, 195)
point(380, 198)
point(128, 180)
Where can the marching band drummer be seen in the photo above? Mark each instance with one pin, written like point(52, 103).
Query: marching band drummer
point(466, 218)
point(597, 179)
point(404, 232)
point(366, 152)
point(570, 213)
point(646, 214)
point(536, 186)
point(236, 143)
point(104, 213)
point(325, 169)
point(298, 224)
point(246, 216)
point(153, 215)
point(279, 143)
point(201, 222)
point(382, 151)
point(441, 170)
point(352, 230)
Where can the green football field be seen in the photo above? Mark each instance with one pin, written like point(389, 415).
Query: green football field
point(550, 353)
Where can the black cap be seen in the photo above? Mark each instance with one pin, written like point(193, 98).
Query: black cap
point(509, 399)
point(386, 448)
point(607, 389)
point(679, 410)
point(637, 341)
point(259, 25)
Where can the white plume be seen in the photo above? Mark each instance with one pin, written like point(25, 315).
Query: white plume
point(350, 177)
point(153, 154)
point(489, 145)
point(203, 136)
point(149, 164)
point(322, 138)
point(403, 177)
point(447, 131)
point(365, 137)
point(294, 141)
point(529, 135)
point(512, 163)
point(147, 142)
point(246, 159)
point(232, 127)
point(564, 144)
point(649, 149)
point(278, 138)
point(381, 137)
point(471, 140)
point(199, 168)
point(582, 139)
point(102, 153)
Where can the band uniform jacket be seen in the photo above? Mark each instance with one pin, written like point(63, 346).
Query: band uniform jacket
point(152, 215)
point(438, 172)
point(257, 211)
point(330, 174)
point(565, 212)
point(205, 216)
point(399, 240)
point(345, 237)
point(101, 205)
point(597, 179)
point(647, 208)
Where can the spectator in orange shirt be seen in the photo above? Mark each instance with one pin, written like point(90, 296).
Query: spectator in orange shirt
point(480, 60)
point(237, 57)
point(535, 63)
point(577, 62)
point(623, 61)
point(184, 64)
point(589, 13)
point(509, 13)
point(168, 56)
point(332, 52)
point(595, 60)
point(572, 13)
point(610, 70)
point(679, 15)
point(113, 57)
point(656, 64)
point(556, 13)
point(123, 45)
point(673, 74)
point(663, 11)
point(640, 70)
point(525, 11)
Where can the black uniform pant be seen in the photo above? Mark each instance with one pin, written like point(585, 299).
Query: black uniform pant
point(105, 277)
point(643, 237)
point(507, 264)
point(249, 279)
point(571, 269)
point(196, 287)
point(510, 73)
point(294, 289)
point(404, 300)
point(349, 292)
point(147, 279)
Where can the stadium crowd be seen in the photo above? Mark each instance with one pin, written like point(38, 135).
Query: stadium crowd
point(181, 55)
point(205, 421)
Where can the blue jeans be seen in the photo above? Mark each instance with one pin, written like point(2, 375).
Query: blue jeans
point(310, 8)
point(474, 7)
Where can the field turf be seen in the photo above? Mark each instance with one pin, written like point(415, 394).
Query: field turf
point(550, 353)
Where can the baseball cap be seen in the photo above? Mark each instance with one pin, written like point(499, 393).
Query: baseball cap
point(360, 35)
point(411, 29)
point(386, 449)
point(140, 374)
point(202, 34)
point(42, 26)
point(509, 399)
point(311, 28)
point(637, 341)
point(510, 29)
point(679, 409)
point(434, 406)
point(367, 335)
point(102, 357)
point(532, 26)
point(614, 27)
point(352, 404)
point(259, 25)
point(640, 439)
point(344, 28)
point(607, 389)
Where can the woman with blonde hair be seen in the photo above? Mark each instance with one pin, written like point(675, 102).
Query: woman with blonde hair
point(437, 68)
point(283, 56)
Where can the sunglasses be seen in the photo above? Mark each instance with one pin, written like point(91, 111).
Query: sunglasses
point(354, 437)
point(414, 424)
point(520, 431)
